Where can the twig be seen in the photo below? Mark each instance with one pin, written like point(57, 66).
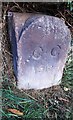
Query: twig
point(8, 53)
point(62, 99)
point(31, 96)
point(18, 6)
point(65, 20)
point(69, 13)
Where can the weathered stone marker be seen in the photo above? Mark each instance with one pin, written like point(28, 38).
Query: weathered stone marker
point(40, 44)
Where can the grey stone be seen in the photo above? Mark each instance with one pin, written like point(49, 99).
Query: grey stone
point(40, 44)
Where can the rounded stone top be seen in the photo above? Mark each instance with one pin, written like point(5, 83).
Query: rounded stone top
point(42, 44)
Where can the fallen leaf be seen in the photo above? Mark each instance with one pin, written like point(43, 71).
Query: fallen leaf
point(17, 112)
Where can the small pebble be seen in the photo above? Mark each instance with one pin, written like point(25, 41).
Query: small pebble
point(66, 89)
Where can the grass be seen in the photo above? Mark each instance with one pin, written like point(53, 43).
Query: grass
point(32, 108)
point(29, 107)
point(67, 79)
point(54, 103)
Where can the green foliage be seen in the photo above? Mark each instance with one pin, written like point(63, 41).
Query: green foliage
point(67, 79)
point(29, 107)
point(51, 108)
point(70, 5)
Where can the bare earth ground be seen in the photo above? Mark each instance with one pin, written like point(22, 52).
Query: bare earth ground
point(55, 103)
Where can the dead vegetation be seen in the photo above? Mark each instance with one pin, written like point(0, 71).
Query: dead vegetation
point(54, 103)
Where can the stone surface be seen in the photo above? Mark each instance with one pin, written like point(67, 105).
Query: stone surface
point(40, 44)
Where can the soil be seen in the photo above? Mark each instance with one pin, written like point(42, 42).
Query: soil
point(55, 92)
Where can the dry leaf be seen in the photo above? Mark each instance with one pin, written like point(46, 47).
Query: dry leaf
point(17, 112)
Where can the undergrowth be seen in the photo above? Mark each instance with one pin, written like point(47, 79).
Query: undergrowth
point(54, 103)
